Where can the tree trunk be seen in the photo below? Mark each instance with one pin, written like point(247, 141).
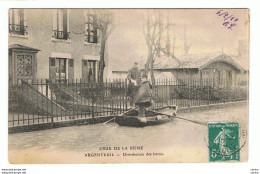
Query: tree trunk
point(152, 73)
point(149, 59)
point(149, 63)
point(102, 61)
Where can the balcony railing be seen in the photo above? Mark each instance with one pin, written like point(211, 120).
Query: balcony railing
point(91, 38)
point(61, 35)
point(18, 29)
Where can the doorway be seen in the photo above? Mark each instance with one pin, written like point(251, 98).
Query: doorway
point(22, 63)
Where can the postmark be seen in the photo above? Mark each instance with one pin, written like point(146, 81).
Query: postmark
point(224, 141)
point(229, 20)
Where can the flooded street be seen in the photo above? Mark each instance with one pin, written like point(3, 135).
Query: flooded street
point(176, 140)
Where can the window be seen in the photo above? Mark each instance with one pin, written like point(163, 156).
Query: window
point(91, 30)
point(89, 70)
point(61, 24)
point(61, 69)
point(17, 22)
point(71, 63)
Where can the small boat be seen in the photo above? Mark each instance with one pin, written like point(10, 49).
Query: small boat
point(151, 117)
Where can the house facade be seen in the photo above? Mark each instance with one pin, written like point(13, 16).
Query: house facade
point(219, 68)
point(119, 74)
point(56, 44)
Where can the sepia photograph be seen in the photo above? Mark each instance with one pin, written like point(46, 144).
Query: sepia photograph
point(128, 85)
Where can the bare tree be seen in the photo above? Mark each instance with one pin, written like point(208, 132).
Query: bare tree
point(151, 33)
point(104, 22)
point(153, 30)
point(169, 49)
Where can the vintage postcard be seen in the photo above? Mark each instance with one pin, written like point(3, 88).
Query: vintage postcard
point(128, 85)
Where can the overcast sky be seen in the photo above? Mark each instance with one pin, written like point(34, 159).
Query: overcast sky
point(205, 33)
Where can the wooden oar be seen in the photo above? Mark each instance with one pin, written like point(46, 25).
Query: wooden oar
point(109, 120)
point(193, 121)
point(120, 114)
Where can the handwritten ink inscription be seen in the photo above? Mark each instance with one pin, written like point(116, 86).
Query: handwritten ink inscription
point(229, 21)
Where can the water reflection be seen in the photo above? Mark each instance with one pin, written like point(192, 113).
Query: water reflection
point(88, 137)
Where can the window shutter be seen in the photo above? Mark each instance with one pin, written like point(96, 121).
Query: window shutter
point(85, 63)
point(25, 17)
point(68, 20)
point(95, 29)
point(10, 16)
point(94, 70)
point(52, 68)
point(98, 36)
point(71, 63)
point(97, 71)
point(11, 20)
point(88, 30)
point(65, 24)
point(52, 61)
point(16, 16)
point(60, 20)
point(21, 18)
point(71, 70)
point(54, 20)
point(85, 70)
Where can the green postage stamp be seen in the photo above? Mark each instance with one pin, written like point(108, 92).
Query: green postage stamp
point(223, 142)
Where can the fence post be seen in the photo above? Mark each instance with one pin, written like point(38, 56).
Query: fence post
point(167, 94)
point(224, 91)
point(28, 97)
point(52, 106)
point(75, 89)
point(47, 86)
point(126, 100)
point(42, 100)
point(23, 102)
point(208, 89)
point(92, 103)
point(120, 95)
point(189, 85)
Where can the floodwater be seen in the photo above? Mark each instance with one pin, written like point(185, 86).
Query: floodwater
point(178, 141)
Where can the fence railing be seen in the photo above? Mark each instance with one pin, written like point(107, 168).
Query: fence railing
point(193, 92)
point(44, 101)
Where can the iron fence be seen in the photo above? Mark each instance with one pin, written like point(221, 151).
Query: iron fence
point(45, 101)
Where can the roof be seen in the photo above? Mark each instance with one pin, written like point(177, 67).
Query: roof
point(165, 62)
point(242, 61)
point(22, 47)
point(197, 61)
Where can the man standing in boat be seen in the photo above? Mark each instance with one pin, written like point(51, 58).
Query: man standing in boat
point(134, 79)
point(143, 97)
